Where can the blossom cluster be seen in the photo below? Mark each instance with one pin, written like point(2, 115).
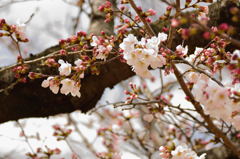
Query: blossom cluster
point(70, 76)
point(234, 66)
point(142, 54)
point(20, 72)
point(16, 30)
point(213, 57)
point(180, 152)
point(68, 85)
point(111, 142)
point(102, 47)
point(61, 133)
point(216, 99)
point(43, 154)
point(127, 22)
point(107, 9)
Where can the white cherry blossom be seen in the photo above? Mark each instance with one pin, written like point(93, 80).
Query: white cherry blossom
point(65, 68)
point(49, 82)
point(191, 58)
point(101, 47)
point(235, 54)
point(159, 61)
point(46, 82)
point(181, 49)
point(198, 50)
point(128, 43)
point(142, 54)
point(183, 152)
point(215, 99)
point(94, 41)
point(109, 48)
point(78, 62)
point(145, 73)
point(20, 28)
point(54, 88)
point(192, 77)
point(70, 86)
point(162, 37)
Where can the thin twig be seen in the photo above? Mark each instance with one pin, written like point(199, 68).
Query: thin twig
point(25, 136)
point(148, 27)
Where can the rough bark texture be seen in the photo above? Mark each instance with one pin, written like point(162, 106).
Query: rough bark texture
point(31, 100)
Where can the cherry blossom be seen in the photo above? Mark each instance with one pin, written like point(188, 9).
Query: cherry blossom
point(148, 117)
point(164, 153)
point(235, 56)
point(151, 12)
point(65, 68)
point(20, 30)
point(102, 47)
point(215, 99)
point(182, 51)
point(78, 62)
point(183, 152)
point(95, 41)
point(49, 82)
point(194, 57)
point(70, 86)
point(128, 43)
point(142, 54)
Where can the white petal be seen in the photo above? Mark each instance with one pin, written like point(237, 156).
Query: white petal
point(45, 83)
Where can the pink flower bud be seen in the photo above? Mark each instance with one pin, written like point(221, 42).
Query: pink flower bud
point(238, 135)
point(206, 35)
point(23, 80)
point(2, 22)
point(63, 52)
point(101, 8)
point(164, 29)
point(223, 26)
point(151, 12)
point(169, 8)
point(81, 33)
point(108, 4)
point(187, 98)
point(122, 8)
point(148, 20)
point(139, 8)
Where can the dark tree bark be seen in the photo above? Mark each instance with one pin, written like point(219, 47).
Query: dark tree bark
point(31, 100)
